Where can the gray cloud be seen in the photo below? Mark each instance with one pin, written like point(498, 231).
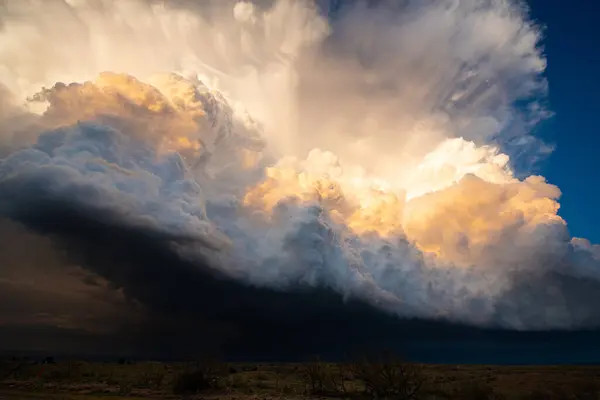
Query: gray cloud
point(162, 198)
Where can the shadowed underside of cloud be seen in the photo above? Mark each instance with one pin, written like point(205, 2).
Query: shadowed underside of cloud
point(186, 308)
point(173, 308)
point(169, 207)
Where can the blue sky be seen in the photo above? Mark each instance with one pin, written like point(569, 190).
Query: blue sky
point(572, 46)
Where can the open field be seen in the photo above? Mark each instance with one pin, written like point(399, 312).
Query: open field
point(78, 380)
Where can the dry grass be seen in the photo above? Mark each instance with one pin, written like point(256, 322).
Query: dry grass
point(76, 380)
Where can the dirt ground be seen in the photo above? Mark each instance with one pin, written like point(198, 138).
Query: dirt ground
point(78, 380)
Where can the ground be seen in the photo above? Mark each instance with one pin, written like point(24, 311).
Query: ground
point(78, 380)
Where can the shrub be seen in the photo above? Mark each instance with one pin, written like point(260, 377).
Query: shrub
point(323, 379)
point(387, 377)
point(151, 379)
point(191, 382)
point(203, 376)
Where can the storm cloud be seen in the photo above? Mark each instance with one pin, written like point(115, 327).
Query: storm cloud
point(353, 178)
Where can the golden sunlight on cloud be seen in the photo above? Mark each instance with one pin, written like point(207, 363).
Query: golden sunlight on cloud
point(174, 118)
point(368, 153)
point(464, 209)
point(459, 202)
point(463, 222)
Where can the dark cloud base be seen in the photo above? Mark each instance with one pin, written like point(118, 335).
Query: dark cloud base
point(154, 303)
point(190, 309)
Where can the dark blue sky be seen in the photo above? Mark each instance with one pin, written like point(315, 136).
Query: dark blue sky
point(572, 47)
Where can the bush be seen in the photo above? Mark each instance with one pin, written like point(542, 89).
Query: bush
point(388, 377)
point(323, 379)
point(314, 376)
point(192, 382)
point(203, 376)
point(151, 379)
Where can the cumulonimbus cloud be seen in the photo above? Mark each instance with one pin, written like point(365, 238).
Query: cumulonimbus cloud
point(378, 153)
